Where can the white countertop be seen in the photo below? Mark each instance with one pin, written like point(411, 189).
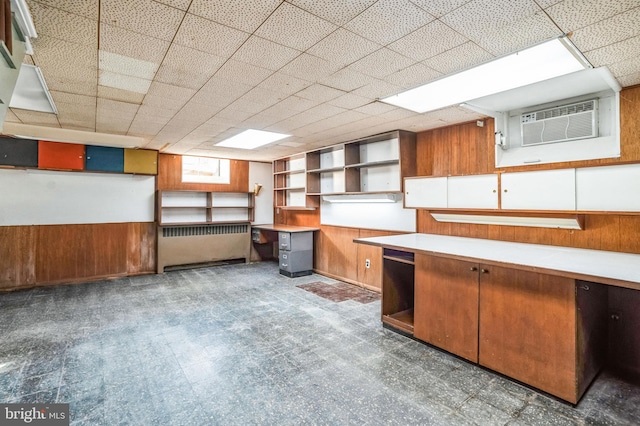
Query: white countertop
point(607, 267)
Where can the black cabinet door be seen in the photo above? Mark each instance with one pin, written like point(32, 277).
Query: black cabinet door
point(18, 152)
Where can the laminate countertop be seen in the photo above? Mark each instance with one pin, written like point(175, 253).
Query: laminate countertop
point(606, 267)
point(284, 228)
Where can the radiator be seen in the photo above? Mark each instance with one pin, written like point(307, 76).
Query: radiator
point(192, 244)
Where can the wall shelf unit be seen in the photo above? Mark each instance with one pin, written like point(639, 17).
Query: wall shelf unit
point(289, 184)
point(200, 207)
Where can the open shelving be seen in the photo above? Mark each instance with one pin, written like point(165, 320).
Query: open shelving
point(398, 289)
point(202, 207)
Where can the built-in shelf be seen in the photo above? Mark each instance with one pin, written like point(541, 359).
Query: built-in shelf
point(372, 164)
point(202, 207)
point(289, 184)
point(402, 320)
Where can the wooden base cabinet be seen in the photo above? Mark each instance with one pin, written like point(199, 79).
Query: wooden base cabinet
point(543, 330)
point(446, 304)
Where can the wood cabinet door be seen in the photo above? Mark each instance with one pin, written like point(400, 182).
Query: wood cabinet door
point(528, 328)
point(446, 304)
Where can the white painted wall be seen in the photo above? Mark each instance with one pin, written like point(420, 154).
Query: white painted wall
point(262, 173)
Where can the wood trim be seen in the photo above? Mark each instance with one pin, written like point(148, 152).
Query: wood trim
point(170, 176)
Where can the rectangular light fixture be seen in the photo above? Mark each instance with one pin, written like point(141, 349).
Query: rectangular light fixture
point(536, 222)
point(541, 62)
point(31, 92)
point(361, 198)
point(250, 139)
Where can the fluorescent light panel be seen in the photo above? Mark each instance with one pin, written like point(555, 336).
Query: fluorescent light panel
point(250, 139)
point(541, 62)
point(31, 92)
point(536, 222)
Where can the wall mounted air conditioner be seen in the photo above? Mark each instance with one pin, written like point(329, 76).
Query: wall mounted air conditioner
point(560, 124)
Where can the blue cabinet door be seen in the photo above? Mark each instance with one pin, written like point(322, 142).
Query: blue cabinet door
point(104, 159)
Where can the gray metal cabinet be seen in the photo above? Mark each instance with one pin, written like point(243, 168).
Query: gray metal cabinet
point(296, 253)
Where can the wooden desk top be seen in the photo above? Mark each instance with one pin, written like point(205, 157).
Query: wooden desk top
point(285, 228)
point(606, 267)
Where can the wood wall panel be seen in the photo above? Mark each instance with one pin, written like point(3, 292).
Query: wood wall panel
point(170, 176)
point(297, 217)
point(371, 277)
point(51, 254)
point(17, 256)
point(336, 254)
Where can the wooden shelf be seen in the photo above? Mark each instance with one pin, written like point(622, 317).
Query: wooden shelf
point(290, 188)
point(289, 172)
point(178, 208)
point(402, 320)
point(326, 170)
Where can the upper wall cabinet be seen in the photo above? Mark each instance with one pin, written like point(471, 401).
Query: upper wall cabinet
point(461, 192)
point(289, 184)
point(539, 190)
point(60, 156)
point(104, 159)
point(141, 161)
point(608, 188)
point(18, 152)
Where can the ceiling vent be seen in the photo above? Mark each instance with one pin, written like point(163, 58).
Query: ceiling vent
point(560, 124)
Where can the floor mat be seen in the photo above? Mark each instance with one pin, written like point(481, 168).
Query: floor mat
point(339, 292)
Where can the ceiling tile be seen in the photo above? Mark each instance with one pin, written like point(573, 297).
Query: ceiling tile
point(518, 35)
point(343, 47)
point(375, 108)
point(629, 80)
point(119, 64)
point(73, 99)
point(88, 9)
point(11, 117)
point(143, 125)
point(389, 20)
point(192, 115)
point(163, 102)
point(242, 72)
point(337, 11)
point(440, 39)
point(233, 115)
point(454, 114)
point(378, 89)
point(63, 25)
point(260, 121)
point(627, 67)
point(476, 17)
point(255, 100)
point(350, 101)
point(76, 115)
point(612, 53)
point(264, 53)
point(133, 45)
point(382, 63)
point(179, 94)
point(156, 112)
point(347, 80)
point(439, 7)
point(142, 16)
point(413, 76)
point(124, 82)
point(459, 58)
point(180, 4)
point(320, 93)
point(36, 118)
point(64, 58)
point(64, 84)
point(309, 67)
point(546, 3)
point(109, 108)
point(187, 67)
point(571, 15)
point(243, 15)
point(205, 35)
point(294, 27)
point(289, 106)
point(284, 84)
point(608, 31)
point(120, 95)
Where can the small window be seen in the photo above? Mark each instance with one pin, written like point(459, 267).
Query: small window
point(205, 170)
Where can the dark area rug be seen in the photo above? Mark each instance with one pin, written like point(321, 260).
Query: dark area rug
point(339, 292)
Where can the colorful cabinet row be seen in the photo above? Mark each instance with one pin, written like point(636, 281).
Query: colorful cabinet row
point(69, 156)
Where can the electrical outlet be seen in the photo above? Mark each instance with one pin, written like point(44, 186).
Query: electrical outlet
point(367, 263)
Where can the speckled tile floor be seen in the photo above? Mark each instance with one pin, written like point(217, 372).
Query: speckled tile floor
point(243, 345)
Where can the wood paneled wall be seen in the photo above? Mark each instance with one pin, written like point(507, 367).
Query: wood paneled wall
point(468, 149)
point(297, 217)
point(52, 254)
point(170, 176)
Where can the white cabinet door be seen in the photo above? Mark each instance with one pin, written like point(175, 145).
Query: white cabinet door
point(472, 192)
point(425, 192)
point(610, 188)
point(540, 190)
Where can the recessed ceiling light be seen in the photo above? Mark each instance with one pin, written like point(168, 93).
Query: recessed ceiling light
point(541, 62)
point(250, 139)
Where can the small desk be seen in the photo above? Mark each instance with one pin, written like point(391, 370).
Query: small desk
point(295, 245)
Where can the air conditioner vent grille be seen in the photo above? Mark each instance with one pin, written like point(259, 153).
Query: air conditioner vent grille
point(560, 124)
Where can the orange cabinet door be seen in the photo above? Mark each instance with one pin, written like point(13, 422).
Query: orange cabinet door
point(60, 156)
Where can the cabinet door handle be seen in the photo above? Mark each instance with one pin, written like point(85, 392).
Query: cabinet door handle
point(484, 271)
point(473, 269)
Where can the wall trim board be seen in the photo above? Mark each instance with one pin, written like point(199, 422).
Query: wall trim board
point(45, 197)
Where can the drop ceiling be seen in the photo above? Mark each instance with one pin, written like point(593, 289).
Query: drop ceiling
point(183, 75)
